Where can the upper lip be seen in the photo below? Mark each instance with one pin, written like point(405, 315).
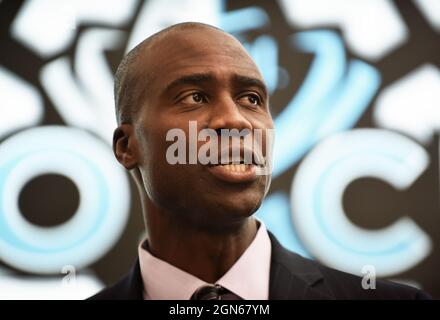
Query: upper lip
point(226, 153)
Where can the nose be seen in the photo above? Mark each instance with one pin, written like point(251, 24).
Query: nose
point(225, 114)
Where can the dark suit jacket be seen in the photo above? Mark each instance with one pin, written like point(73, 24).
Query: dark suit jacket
point(291, 277)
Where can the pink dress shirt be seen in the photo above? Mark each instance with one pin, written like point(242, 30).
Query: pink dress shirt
point(248, 277)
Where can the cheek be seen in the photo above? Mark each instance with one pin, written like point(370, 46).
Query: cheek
point(268, 139)
point(173, 187)
point(150, 145)
point(164, 182)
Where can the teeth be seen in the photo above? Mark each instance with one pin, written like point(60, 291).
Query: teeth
point(235, 167)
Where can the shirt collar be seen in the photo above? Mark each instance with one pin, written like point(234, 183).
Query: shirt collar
point(248, 277)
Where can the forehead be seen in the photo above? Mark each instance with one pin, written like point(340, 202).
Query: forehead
point(183, 52)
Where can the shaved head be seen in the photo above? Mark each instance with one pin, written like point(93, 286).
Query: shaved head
point(130, 83)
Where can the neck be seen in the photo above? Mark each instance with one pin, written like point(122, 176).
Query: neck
point(205, 253)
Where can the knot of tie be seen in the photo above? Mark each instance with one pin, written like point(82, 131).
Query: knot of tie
point(213, 292)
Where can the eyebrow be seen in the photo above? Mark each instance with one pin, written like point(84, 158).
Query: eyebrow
point(198, 78)
point(246, 81)
point(192, 79)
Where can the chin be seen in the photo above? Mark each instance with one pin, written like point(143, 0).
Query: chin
point(235, 208)
point(222, 214)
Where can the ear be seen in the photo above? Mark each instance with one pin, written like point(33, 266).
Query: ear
point(125, 146)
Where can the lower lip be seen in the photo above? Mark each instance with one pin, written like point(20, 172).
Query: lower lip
point(222, 173)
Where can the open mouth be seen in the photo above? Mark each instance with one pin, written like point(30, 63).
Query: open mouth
point(236, 166)
point(238, 159)
point(238, 171)
point(240, 167)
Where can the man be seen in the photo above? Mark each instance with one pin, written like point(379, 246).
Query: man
point(203, 242)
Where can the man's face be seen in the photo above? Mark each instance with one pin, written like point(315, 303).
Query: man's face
point(200, 75)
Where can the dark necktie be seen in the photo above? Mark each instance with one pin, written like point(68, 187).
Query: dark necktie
point(214, 292)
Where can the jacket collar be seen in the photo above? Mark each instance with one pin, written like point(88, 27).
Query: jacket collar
point(130, 287)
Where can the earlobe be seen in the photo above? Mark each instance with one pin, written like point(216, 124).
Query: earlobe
point(124, 146)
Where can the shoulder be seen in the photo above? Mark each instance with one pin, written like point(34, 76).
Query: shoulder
point(318, 280)
point(128, 288)
point(348, 286)
point(110, 293)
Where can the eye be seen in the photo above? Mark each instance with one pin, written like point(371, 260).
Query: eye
point(252, 100)
point(194, 98)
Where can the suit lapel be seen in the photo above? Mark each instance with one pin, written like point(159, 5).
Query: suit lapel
point(293, 277)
